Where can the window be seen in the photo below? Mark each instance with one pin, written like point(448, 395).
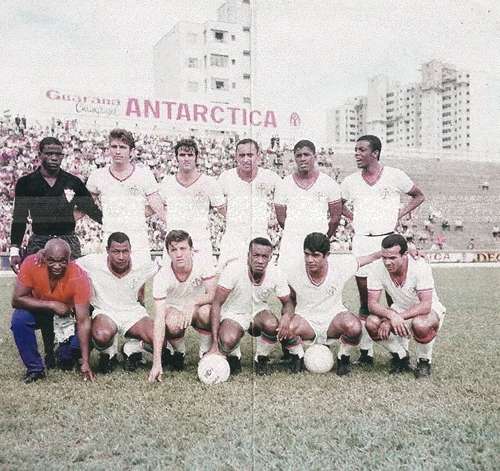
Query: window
point(233, 37)
point(219, 36)
point(233, 61)
point(220, 84)
point(247, 100)
point(246, 29)
point(193, 62)
point(246, 76)
point(217, 60)
point(246, 53)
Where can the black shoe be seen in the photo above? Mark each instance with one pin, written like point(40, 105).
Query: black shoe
point(106, 363)
point(286, 358)
point(66, 365)
point(262, 366)
point(364, 359)
point(33, 377)
point(423, 370)
point(166, 357)
point(131, 362)
point(399, 365)
point(343, 365)
point(296, 364)
point(50, 361)
point(176, 362)
point(234, 365)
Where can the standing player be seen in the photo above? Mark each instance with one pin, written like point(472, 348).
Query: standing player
point(124, 191)
point(49, 196)
point(116, 277)
point(320, 316)
point(188, 196)
point(307, 201)
point(249, 190)
point(375, 195)
point(182, 292)
point(415, 311)
point(241, 304)
point(58, 288)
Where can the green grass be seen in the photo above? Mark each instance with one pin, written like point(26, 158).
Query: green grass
point(366, 421)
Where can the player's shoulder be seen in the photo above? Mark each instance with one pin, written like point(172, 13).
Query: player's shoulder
point(353, 177)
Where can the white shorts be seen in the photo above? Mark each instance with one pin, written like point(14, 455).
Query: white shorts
point(244, 320)
point(124, 320)
point(320, 327)
point(366, 245)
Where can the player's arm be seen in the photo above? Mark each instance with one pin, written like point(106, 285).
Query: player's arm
point(280, 210)
point(18, 228)
point(85, 203)
point(287, 312)
point(346, 212)
point(417, 198)
point(422, 308)
point(156, 372)
point(155, 202)
point(83, 329)
point(22, 299)
point(220, 298)
point(366, 259)
point(396, 320)
point(335, 212)
point(189, 309)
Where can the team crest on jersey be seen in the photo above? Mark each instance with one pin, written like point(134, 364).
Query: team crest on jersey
point(134, 190)
point(199, 197)
point(265, 293)
point(331, 290)
point(262, 188)
point(134, 284)
point(196, 281)
point(384, 192)
point(69, 194)
point(320, 196)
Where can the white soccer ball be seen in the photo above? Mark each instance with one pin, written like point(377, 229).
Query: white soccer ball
point(318, 359)
point(213, 369)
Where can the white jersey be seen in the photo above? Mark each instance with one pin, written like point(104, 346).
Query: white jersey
point(307, 208)
point(418, 278)
point(111, 293)
point(246, 297)
point(248, 202)
point(188, 207)
point(178, 293)
point(123, 201)
point(322, 301)
point(376, 207)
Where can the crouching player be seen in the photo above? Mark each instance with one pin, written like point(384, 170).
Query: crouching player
point(241, 304)
point(416, 310)
point(320, 317)
point(183, 291)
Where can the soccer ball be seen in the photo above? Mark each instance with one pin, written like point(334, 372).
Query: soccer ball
point(318, 359)
point(213, 369)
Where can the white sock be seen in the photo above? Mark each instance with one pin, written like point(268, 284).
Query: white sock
point(132, 346)
point(347, 350)
point(264, 347)
point(111, 350)
point(393, 345)
point(179, 345)
point(366, 342)
point(205, 339)
point(424, 350)
point(235, 353)
point(297, 350)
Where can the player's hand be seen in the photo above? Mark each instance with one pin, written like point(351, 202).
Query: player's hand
point(156, 373)
point(186, 317)
point(384, 330)
point(88, 374)
point(283, 328)
point(214, 349)
point(399, 326)
point(15, 263)
point(61, 309)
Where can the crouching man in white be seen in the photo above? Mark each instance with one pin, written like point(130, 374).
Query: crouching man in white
point(183, 291)
point(241, 304)
point(416, 310)
point(116, 278)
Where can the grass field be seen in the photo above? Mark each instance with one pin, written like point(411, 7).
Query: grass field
point(367, 421)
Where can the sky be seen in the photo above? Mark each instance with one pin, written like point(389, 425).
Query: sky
point(309, 55)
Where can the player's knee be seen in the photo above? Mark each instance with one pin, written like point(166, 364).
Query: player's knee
point(372, 324)
point(102, 337)
point(352, 326)
point(22, 318)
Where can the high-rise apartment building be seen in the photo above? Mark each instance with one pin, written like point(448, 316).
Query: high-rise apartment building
point(445, 110)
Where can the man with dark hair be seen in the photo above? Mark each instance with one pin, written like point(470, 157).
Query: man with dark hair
point(188, 197)
point(307, 201)
point(116, 278)
point(241, 304)
point(374, 194)
point(249, 190)
point(57, 288)
point(183, 291)
point(416, 310)
point(124, 192)
point(49, 196)
point(320, 316)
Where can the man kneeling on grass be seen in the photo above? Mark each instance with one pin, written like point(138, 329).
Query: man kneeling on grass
point(241, 304)
point(58, 288)
point(415, 311)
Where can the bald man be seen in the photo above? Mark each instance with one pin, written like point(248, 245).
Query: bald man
point(58, 289)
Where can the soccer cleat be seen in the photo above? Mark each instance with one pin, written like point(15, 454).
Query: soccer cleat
point(399, 365)
point(106, 363)
point(131, 362)
point(234, 365)
point(423, 370)
point(364, 359)
point(262, 366)
point(166, 357)
point(343, 365)
point(286, 358)
point(33, 377)
point(176, 362)
point(296, 364)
